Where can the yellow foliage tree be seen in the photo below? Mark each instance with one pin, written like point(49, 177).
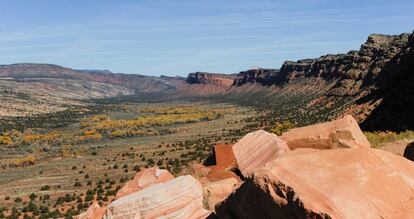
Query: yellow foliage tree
point(28, 160)
point(71, 151)
point(5, 140)
point(282, 127)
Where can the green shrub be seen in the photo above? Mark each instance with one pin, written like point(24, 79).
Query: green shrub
point(45, 187)
point(32, 196)
point(136, 168)
point(377, 139)
point(282, 127)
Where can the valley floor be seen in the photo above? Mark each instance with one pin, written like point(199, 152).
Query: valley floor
point(113, 161)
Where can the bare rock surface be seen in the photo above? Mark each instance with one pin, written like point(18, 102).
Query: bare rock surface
point(218, 173)
point(396, 147)
point(224, 155)
point(181, 197)
point(208, 174)
point(144, 179)
point(211, 79)
point(340, 133)
point(257, 148)
point(216, 192)
point(94, 212)
point(338, 183)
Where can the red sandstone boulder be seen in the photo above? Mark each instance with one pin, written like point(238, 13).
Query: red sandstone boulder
point(216, 192)
point(340, 133)
point(224, 155)
point(181, 197)
point(338, 183)
point(255, 149)
point(208, 174)
point(218, 173)
point(144, 179)
point(94, 212)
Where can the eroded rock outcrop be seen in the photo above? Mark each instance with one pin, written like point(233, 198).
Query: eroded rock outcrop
point(257, 148)
point(94, 212)
point(395, 92)
point(372, 83)
point(210, 79)
point(256, 75)
point(340, 133)
point(216, 192)
point(144, 179)
point(350, 68)
point(181, 197)
point(218, 173)
point(337, 183)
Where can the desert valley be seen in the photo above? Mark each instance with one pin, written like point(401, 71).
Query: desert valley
point(93, 144)
point(324, 137)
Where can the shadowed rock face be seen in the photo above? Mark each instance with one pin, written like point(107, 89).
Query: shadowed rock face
point(337, 183)
point(340, 133)
point(395, 84)
point(216, 192)
point(409, 151)
point(259, 75)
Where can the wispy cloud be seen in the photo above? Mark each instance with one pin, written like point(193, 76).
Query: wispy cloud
point(136, 36)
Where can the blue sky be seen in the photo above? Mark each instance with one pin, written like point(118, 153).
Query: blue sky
point(169, 37)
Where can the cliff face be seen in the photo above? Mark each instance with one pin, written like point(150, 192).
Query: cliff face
point(354, 68)
point(258, 75)
point(363, 64)
point(374, 83)
point(395, 90)
point(210, 79)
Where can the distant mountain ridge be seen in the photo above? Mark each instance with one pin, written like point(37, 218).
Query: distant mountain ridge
point(136, 82)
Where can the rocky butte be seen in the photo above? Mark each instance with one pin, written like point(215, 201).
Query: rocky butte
point(210, 78)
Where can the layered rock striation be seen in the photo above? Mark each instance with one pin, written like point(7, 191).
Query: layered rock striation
point(360, 66)
point(144, 179)
point(255, 149)
point(337, 183)
point(340, 133)
point(181, 197)
point(256, 75)
point(210, 79)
